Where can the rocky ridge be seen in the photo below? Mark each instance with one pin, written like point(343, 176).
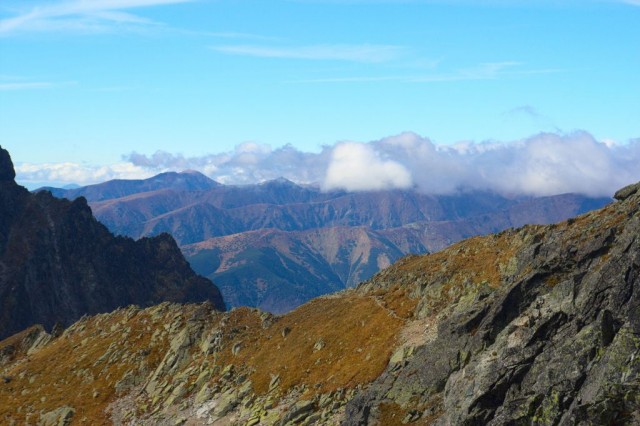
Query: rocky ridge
point(175, 364)
point(538, 325)
point(542, 327)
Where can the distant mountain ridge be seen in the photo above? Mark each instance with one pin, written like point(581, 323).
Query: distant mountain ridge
point(272, 245)
point(57, 262)
point(188, 180)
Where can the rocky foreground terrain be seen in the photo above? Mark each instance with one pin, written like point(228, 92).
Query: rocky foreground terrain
point(539, 325)
point(57, 262)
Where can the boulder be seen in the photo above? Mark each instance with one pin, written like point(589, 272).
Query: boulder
point(627, 191)
point(59, 417)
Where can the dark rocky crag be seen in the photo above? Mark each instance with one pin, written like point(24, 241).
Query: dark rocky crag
point(57, 262)
point(538, 325)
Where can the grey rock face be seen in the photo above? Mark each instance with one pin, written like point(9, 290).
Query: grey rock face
point(557, 343)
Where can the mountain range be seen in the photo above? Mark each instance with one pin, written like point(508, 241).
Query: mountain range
point(277, 244)
point(537, 325)
point(57, 262)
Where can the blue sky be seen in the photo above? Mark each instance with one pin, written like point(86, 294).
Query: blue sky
point(90, 82)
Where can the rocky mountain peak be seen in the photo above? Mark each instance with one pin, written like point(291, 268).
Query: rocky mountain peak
point(279, 181)
point(7, 172)
point(57, 262)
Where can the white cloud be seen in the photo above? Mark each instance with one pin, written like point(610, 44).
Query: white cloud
point(544, 164)
point(550, 164)
point(359, 167)
point(83, 15)
point(340, 52)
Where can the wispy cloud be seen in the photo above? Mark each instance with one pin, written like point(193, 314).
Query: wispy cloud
point(488, 71)
point(13, 83)
point(232, 35)
point(524, 109)
point(487, 3)
point(339, 52)
point(484, 71)
point(352, 79)
point(25, 86)
point(529, 112)
point(94, 15)
point(115, 89)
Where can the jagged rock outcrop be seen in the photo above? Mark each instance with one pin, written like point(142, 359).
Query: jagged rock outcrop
point(7, 172)
point(57, 262)
point(547, 331)
point(538, 325)
point(627, 191)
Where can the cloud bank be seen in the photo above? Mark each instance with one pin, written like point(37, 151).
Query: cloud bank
point(61, 174)
point(544, 164)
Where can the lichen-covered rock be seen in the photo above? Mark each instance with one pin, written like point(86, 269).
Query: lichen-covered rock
point(59, 417)
point(298, 412)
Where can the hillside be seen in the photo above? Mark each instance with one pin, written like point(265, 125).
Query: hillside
point(276, 245)
point(537, 325)
point(57, 262)
point(277, 270)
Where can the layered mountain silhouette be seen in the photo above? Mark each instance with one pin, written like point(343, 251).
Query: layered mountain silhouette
point(57, 262)
point(277, 244)
point(532, 326)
